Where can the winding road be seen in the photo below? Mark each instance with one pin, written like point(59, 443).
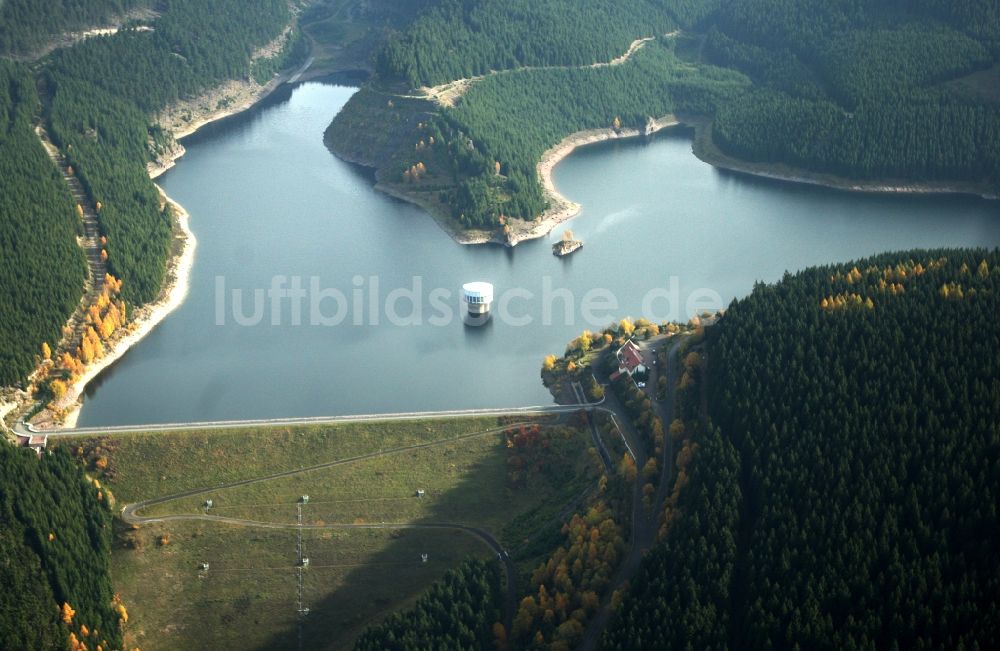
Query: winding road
point(130, 512)
point(643, 523)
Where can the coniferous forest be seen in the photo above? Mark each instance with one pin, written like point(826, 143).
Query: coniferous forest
point(836, 476)
point(845, 492)
point(859, 89)
point(98, 101)
point(55, 550)
point(457, 612)
point(42, 269)
point(28, 24)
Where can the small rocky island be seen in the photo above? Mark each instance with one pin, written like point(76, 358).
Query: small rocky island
point(566, 245)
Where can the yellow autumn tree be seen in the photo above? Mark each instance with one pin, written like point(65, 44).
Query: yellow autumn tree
point(58, 389)
point(549, 362)
point(628, 468)
point(46, 351)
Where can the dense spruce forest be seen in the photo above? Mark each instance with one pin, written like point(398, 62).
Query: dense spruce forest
point(855, 88)
point(26, 25)
point(845, 493)
point(456, 613)
point(98, 100)
point(42, 269)
point(55, 546)
point(104, 94)
point(511, 119)
point(456, 39)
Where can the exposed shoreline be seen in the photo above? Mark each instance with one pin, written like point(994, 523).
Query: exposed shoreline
point(707, 152)
point(178, 275)
point(562, 209)
point(145, 318)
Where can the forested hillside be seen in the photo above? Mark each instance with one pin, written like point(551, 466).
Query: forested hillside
point(480, 157)
point(99, 98)
point(845, 494)
point(854, 88)
point(861, 84)
point(55, 546)
point(29, 24)
point(457, 39)
point(104, 93)
point(42, 269)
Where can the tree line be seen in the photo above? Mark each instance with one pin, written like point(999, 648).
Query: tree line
point(487, 148)
point(861, 85)
point(454, 39)
point(27, 25)
point(457, 613)
point(844, 495)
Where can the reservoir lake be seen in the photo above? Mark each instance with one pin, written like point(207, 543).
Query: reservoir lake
point(379, 325)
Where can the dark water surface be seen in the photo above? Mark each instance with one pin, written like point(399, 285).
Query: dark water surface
point(267, 199)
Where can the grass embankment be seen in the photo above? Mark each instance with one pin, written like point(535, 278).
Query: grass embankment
point(247, 599)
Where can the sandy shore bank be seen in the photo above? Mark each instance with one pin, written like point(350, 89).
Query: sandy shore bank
point(145, 318)
point(561, 209)
point(707, 151)
point(240, 96)
point(180, 120)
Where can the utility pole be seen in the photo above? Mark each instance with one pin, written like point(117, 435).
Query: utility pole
point(301, 562)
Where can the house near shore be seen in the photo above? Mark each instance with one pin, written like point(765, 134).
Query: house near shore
point(629, 361)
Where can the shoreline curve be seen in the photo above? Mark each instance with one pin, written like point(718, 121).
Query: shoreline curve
point(179, 263)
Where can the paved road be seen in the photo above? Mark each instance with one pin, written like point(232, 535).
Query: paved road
point(23, 428)
point(644, 525)
point(581, 400)
point(130, 512)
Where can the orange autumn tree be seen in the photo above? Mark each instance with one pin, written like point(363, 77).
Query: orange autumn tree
point(105, 316)
point(568, 585)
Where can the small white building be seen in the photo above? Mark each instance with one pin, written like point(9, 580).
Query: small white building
point(478, 297)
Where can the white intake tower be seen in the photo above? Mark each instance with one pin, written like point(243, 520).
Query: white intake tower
point(478, 297)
